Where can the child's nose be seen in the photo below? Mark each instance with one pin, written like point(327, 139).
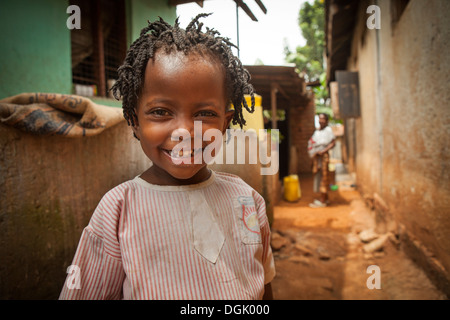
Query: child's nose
point(181, 134)
point(187, 125)
point(189, 132)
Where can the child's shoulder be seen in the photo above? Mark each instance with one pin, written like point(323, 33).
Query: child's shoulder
point(126, 185)
point(119, 192)
point(236, 188)
point(226, 177)
point(235, 182)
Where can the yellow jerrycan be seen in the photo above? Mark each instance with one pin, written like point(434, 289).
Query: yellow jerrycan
point(253, 120)
point(292, 191)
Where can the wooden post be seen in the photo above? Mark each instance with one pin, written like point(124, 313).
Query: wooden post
point(99, 49)
point(273, 104)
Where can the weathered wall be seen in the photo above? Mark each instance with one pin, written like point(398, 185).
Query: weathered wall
point(366, 131)
point(402, 145)
point(49, 188)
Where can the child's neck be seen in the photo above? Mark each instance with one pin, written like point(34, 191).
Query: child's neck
point(156, 175)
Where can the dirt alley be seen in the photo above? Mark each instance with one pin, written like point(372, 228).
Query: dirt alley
point(319, 253)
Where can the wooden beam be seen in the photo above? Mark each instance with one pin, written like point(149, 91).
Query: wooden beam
point(280, 89)
point(277, 78)
point(261, 5)
point(313, 83)
point(246, 9)
point(177, 2)
point(99, 49)
point(273, 104)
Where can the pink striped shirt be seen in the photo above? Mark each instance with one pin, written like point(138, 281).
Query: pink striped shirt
point(139, 244)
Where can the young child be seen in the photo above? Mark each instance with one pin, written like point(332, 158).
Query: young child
point(179, 230)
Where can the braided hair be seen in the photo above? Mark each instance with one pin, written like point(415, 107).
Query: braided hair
point(160, 35)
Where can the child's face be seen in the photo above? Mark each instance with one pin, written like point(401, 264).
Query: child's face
point(177, 91)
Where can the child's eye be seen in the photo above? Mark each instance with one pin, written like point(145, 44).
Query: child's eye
point(159, 112)
point(206, 113)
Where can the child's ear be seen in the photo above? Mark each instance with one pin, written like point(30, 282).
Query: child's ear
point(228, 117)
point(136, 131)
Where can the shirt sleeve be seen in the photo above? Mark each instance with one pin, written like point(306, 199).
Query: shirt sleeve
point(96, 272)
point(267, 258)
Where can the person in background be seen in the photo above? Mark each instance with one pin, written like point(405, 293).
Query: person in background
point(319, 144)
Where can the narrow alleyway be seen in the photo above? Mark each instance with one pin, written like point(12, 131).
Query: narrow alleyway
point(319, 253)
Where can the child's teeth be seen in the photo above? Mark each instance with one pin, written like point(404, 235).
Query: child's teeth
point(182, 153)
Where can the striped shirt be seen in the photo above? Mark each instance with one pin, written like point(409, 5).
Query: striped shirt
point(139, 244)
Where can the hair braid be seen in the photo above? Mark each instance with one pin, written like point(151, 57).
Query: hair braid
point(161, 35)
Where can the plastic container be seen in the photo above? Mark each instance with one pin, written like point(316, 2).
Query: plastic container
point(292, 191)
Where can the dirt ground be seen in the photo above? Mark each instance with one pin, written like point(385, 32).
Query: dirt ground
point(319, 253)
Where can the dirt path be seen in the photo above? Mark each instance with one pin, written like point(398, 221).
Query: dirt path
point(319, 253)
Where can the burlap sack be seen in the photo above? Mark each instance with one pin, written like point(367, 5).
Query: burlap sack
point(58, 114)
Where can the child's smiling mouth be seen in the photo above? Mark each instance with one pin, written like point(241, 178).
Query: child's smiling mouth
point(182, 154)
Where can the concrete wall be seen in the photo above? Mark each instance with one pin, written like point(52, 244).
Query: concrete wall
point(49, 188)
point(402, 136)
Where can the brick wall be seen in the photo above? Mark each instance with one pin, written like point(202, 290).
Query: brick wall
point(301, 121)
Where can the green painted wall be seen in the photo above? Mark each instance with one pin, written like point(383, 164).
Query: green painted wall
point(140, 11)
point(34, 47)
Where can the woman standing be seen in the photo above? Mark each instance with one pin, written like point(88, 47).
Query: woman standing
point(320, 143)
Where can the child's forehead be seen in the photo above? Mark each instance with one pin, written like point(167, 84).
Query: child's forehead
point(194, 54)
point(174, 62)
point(177, 74)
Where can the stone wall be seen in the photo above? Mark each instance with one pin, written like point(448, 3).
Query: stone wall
point(302, 127)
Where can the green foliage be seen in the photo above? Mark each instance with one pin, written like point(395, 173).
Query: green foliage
point(321, 92)
point(281, 114)
point(258, 62)
point(309, 58)
point(277, 136)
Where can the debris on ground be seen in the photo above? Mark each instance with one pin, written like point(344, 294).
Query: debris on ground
point(324, 254)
